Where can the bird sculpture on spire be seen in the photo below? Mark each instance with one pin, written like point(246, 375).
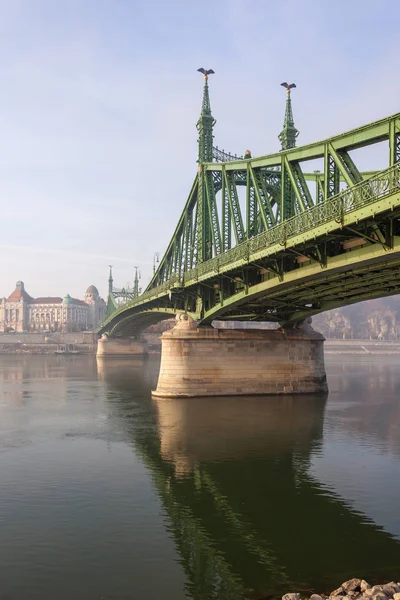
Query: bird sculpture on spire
point(288, 86)
point(206, 72)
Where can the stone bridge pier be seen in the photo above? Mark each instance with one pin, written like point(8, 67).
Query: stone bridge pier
point(230, 362)
point(109, 346)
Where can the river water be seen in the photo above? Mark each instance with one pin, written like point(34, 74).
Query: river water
point(106, 493)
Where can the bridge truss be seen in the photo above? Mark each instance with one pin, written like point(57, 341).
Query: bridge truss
point(271, 239)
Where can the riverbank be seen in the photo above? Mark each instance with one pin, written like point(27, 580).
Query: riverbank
point(86, 343)
point(44, 349)
point(355, 589)
point(368, 347)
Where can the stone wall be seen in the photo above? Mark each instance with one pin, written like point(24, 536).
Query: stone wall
point(212, 362)
point(120, 347)
point(83, 337)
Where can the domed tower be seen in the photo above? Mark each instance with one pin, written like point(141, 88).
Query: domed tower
point(96, 305)
point(91, 294)
point(66, 313)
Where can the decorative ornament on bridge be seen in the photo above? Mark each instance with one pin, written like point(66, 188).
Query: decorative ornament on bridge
point(288, 86)
point(183, 321)
point(206, 72)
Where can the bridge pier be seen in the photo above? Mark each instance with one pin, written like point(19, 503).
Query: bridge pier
point(232, 362)
point(109, 346)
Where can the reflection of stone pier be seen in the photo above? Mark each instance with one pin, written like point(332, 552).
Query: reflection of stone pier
point(202, 429)
point(235, 476)
point(108, 346)
point(217, 362)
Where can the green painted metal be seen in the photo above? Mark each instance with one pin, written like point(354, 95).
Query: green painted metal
point(253, 227)
point(233, 199)
point(206, 208)
point(289, 132)
point(205, 126)
point(112, 305)
point(120, 296)
point(136, 290)
point(289, 189)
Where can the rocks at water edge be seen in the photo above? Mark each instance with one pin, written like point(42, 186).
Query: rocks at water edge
point(355, 589)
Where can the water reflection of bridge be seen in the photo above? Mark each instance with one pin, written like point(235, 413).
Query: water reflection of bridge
point(247, 517)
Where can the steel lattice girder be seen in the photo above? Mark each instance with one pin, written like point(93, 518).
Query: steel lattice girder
point(257, 175)
point(311, 276)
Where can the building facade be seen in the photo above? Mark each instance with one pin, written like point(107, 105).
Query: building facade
point(20, 312)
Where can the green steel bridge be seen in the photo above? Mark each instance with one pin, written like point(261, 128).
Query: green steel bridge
point(272, 239)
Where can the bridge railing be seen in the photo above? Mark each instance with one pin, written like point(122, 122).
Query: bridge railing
point(222, 156)
point(334, 209)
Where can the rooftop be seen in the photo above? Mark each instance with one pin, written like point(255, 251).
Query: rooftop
point(19, 293)
point(46, 300)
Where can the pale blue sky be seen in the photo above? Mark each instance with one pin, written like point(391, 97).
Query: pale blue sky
point(99, 100)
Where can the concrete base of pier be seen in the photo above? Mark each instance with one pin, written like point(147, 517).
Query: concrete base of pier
point(108, 346)
point(220, 362)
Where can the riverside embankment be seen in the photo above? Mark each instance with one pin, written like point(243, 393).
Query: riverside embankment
point(40, 343)
point(86, 343)
point(355, 589)
point(374, 347)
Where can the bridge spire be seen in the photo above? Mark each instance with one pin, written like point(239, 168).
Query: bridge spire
point(205, 123)
point(136, 290)
point(110, 281)
point(289, 132)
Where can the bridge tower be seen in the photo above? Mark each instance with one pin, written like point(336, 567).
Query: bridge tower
point(136, 289)
point(110, 281)
point(287, 137)
point(118, 347)
point(205, 126)
point(110, 300)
